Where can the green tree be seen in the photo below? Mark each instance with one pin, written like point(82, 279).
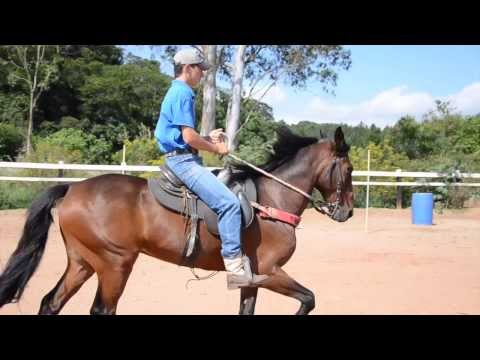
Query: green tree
point(13, 107)
point(467, 139)
point(63, 99)
point(127, 95)
point(258, 134)
point(10, 142)
point(439, 129)
point(35, 66)
point(105, 54)
point(405, 136)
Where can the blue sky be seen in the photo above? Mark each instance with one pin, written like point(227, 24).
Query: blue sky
point(383, 84)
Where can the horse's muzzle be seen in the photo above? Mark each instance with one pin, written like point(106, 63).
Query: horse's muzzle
point(342, 214)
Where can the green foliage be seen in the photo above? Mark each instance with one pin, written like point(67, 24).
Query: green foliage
point(450, 196)
point(467, 138)
point(130, 95)
point(404, 136)
point(140, 151)
point(106, 54)
point(70, 146)
point(360, 135)
point(154, 162)
point(111, 98)
point(296, 64)
point(221, 109)
point(211, 160)
point(11, 140)
point(47, 128)
point(14, 195)
point(13, 108)
point(383, 157)
point(441, 132)
point(257, 135)
point(114, 133)
point(31, 68)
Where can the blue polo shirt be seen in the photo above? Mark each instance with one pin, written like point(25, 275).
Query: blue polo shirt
point(177, 110)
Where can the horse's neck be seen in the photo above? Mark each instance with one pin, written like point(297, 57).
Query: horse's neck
point(297, 172)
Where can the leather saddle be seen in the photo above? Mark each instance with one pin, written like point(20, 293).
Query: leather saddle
point(172, 193)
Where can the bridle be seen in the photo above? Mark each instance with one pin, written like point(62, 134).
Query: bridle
point(331, 207)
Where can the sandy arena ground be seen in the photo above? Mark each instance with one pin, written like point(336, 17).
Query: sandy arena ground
point(394, 268)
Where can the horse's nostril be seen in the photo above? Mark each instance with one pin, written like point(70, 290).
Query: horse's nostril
point(350, 213)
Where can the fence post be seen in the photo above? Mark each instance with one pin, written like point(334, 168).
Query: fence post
point(399, 190)
point(367, 197)
point(60, 171)
point(123, 159)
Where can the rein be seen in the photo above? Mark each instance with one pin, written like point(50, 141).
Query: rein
point(323, 207)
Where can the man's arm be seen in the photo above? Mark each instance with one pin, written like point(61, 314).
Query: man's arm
point(192, 138)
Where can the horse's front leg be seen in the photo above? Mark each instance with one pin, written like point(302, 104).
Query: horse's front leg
point(248, 299)
point(282, 283)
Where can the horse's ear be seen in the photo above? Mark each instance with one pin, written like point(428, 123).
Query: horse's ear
point(322, 136)
point(339, 138)
point(341, 146)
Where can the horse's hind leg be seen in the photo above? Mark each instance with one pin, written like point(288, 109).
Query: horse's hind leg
point(77, 272)
point(248, 299)
point(281, 283)
point(111, 283)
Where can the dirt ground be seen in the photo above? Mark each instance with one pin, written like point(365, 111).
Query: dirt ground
point(394, 268)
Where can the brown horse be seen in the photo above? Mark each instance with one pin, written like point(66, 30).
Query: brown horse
point(106, 221)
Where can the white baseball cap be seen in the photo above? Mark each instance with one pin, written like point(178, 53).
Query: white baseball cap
point(191, 56)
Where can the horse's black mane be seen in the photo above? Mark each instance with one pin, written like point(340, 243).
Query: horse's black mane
point(284, 149)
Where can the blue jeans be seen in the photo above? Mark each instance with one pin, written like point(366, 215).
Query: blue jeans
point(189, 168)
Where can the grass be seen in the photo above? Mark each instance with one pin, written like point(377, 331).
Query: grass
point(14, 195)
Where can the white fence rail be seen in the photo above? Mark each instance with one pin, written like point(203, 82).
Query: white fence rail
point(84, 167)
point(138, 168)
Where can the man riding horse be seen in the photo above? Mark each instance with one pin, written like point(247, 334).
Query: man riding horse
point(177, 138)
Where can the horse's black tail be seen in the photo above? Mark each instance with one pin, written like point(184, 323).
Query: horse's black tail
point(24, 261)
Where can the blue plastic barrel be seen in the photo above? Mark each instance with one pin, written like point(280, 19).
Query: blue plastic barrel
point(422, 208)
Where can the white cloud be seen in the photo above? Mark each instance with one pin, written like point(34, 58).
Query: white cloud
point(274, 96)
point(385, 108)
point(468, 99)
point(395, 102)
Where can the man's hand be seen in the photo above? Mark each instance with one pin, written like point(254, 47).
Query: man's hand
point(217, 138)
point(192, 138)
point(222, 148)
point(216, 135)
